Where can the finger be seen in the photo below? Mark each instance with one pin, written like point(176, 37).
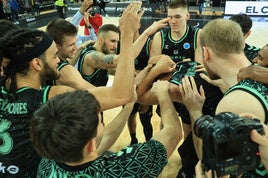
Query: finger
point(258, 138)
point(193, 84)
point(185, 84)
point(136, 7)
point(182, 91)
point(202, 91)
point(205, 77)
point(141, 12)
point(198, 170)
point(248, 115)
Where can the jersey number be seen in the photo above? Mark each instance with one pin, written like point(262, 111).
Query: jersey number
point(7, 141)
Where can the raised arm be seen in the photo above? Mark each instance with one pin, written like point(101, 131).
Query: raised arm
point(98, 60)
point(163, 65)
point(113, 130)
point(156, 45)
point(78, 51)
point(152, 29)
point(75, 20)
point(121, 91)
point(70, 76)
point(198, 50)
point(194, 101)
point(171, 133)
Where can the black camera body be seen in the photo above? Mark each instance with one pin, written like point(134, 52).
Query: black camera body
point(227, 147)
point(92, 13)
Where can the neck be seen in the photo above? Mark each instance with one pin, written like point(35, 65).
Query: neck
point(229, 70)
point(61, 57)
point(88, 158)
point(97, 46)
point(178, 34)
point(32, 81)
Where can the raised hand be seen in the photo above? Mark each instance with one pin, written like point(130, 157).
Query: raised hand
point(160, 87)
point(157, 25)
point(129, 21)
point(191, 97)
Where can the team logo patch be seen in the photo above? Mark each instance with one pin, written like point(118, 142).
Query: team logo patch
point(186, 45)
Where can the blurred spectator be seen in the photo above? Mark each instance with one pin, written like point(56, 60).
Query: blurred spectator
point(7, 10)
point(2, 15)
point(91, 20)
point(102, 5)
point(60, 4)
point(14, 10)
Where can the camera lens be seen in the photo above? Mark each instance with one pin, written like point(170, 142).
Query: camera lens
point(200, 125)
point(92, 13)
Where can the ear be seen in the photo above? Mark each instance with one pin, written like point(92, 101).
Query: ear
point(91, 146)
point(100, 39)
point(187, 16)
point(36, 63)
point(206, 54)
point(247, 34)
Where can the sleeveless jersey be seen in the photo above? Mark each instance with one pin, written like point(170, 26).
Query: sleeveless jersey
point(99, 77)
point(260, 91)
point(182, 48)
point(139, 160)
point(213, 94)
point(142, 60)
point(18, 158)
point(251, 51)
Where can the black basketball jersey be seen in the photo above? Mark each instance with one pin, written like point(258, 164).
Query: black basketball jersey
point(213, 94)
point(99, 77)
point(142, 60)
point(251, 51)
point(18, 158)
point(182, 48)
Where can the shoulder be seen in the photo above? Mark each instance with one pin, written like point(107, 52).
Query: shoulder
point(239, 101)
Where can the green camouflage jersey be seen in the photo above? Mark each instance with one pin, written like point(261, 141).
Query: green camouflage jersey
point(144, 160)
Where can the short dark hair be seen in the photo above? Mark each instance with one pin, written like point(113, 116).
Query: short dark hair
point(59, 28)
point(173, 4)
point(108, 27)
point(244, 21)
point(62, 127)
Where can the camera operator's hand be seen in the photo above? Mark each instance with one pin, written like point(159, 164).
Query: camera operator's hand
point(200, 172)
point(85, 4)
point(191, 97)
point(262, 140)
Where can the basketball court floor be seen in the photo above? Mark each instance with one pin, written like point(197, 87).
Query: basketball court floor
point(258, 38)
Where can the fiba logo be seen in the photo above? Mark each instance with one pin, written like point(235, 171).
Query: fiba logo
point(186, 45)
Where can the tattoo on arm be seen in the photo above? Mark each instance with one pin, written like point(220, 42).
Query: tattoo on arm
point(102, 60)
point(108, 59)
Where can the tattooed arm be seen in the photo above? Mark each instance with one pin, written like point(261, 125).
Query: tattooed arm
point(99, 60)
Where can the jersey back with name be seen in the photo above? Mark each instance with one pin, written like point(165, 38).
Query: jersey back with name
point(17, 155)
